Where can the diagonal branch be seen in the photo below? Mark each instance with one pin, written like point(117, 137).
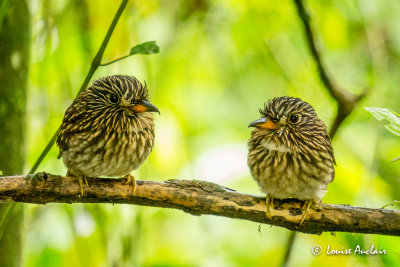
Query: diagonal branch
point(346, 101)
point(203, 198)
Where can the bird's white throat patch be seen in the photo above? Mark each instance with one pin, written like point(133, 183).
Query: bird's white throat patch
point(272, 146)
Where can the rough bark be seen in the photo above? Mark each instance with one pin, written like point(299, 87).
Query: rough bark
point(203, 198)
point(14, 58)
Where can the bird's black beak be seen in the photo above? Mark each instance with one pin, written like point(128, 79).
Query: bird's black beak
point(145, 106)
point(264, 123)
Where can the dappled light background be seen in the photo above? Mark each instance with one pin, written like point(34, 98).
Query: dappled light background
point(220, 61)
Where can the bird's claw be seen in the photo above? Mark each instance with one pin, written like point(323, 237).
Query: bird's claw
point(38, 180)
point(130, 179)
point(269, 201)
point(306, 207)
point(81, 180)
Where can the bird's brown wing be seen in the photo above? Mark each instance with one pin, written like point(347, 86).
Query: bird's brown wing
point(73, 123)
point(330, 148)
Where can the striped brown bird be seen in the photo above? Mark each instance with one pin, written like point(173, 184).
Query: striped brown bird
point(290, 153)
point(108, 130)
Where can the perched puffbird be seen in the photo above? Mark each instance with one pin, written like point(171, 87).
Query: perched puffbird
point(290, 153)
point(108, 130)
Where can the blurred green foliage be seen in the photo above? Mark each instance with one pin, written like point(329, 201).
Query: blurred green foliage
point(220, 61)
point(387, 114)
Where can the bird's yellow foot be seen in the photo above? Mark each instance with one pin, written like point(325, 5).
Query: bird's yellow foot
point(306, 207)
point(130, 179)
point(269, 201)
point(81, 179)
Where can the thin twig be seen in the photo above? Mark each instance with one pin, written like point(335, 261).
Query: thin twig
point(346, 101)
point(44, 152)
point(390, 204)
point(289, 248)
point(114, 60)
point(203, 198)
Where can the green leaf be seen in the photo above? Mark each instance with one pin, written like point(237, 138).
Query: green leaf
point(145, 48)
point(387, 114)
point(1, 173)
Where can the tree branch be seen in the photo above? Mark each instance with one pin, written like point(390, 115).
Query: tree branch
point(203, 198)
point(346, 101)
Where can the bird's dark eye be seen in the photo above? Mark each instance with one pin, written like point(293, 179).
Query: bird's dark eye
point(294, 118)
point(113, 98)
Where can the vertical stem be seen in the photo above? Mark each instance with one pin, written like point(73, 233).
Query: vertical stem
point(289, 248)
point(14, 61)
